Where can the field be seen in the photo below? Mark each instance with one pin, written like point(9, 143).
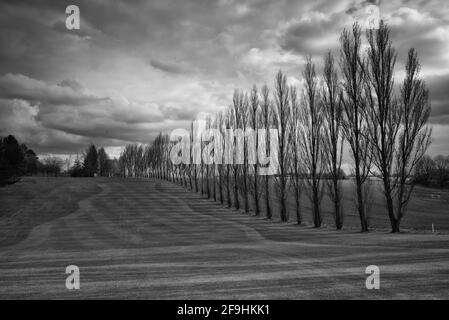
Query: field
point(152, 239)
point(427, 206)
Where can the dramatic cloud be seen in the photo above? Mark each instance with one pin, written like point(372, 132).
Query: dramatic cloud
point(170, 66)
point(137, 68)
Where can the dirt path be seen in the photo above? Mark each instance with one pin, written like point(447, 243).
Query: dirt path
point(151, 239)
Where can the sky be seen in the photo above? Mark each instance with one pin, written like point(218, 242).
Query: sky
point(135, 68)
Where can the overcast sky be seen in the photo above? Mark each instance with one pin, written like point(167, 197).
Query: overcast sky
point(139, 67)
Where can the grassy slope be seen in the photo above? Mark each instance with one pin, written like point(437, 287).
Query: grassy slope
point(34, 201)
point(152, 239)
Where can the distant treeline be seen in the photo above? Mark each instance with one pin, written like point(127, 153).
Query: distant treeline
point(433, 172)
point(94, 163)
point(17, 160)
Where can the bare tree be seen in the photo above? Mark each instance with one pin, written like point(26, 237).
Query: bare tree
point(208, 126)
point(228, 123)
point(414, 136)
point(296, 164)
point(214, 164)
point(396, 129)
point(192, 156)
point(439, 168)
point(202, 164)
point(267, 114)
point(244, 116)
point(254, 101)
point(353, 122)
point(237, 106)
point(311, 136)
point(424, 170)
point(383, 114)
point(282, 112)
point(332, 135)
point(221, 126)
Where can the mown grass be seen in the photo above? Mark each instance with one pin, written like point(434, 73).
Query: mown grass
point(36, 200)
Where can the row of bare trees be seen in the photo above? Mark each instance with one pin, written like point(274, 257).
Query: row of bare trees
point(352, 103)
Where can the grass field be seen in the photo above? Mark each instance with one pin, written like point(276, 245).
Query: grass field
point(427, 206)
point(152, 239)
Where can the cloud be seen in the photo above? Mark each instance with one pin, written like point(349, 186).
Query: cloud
point(66, 116)
point(439, 93)
point(20, 118)
point(310, 34)
point(426, 32)
point(174, 67)
point(136, 69)
point(260, 62)
point(18, 86)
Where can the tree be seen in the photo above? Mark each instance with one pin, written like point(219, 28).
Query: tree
point(311, 137)
point(396, 130)
point(267, 114)
point(115, 167)
point(254, 106)
point(383, 114)
point(238, 101)
point(208, 126)
point(414, 136)
point(228, 123)
point(296, 163)
point(195, 167)
point(221, 126)
point(353, 121)
point(424, 171)
point(91, 161)
point(51, 166)
point(332, 135)
point(30, 160)
point(11, 160)
point(441, 170)
point(77, 170)
point(244, 113)
point(104, 163)
point(282, 113)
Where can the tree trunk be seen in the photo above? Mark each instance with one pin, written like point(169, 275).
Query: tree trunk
point(298, 207)
point(207, 181)
point(297, 195)
point(228, 185)
point(316, 206)
point(196, 179)
point(202, 179)
point(214, 183)
point(236, 190)
point(220, 188)
point(395, 226)
point(267, 197)
point(337, 205)
point(256, 192)
point(284, 217)
point(360, 202)
point(390, 206)
point(245, 187)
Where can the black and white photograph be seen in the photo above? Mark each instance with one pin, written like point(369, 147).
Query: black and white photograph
point(234, 151)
